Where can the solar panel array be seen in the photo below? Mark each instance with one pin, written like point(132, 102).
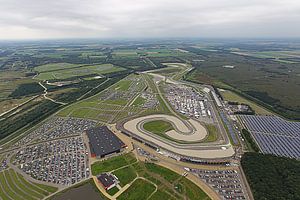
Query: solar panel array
point(274, 135)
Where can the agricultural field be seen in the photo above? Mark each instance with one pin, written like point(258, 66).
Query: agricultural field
point(148, 180)
point(69, 72)
point(269, 82)
point(54, 67)
point(291, 57)
point(10, 80)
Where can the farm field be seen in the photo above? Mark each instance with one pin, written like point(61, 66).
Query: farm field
point(10, 80)
point(264, 80)
point(66, 73)
point(279, 56)
point(54, 67)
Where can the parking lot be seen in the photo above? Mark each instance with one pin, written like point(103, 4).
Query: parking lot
point(63, 161)
point(227, 183)
point(57, 127)
point(122, 92)
point(189, 102)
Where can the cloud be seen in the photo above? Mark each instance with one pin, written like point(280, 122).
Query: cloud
point(34, 19)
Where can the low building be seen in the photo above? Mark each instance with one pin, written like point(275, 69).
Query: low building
point(104, 142)
point(107, 180)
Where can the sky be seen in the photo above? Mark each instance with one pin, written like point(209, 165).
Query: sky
point(46, 19)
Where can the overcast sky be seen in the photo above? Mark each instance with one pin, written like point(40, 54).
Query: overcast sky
point(35, 19)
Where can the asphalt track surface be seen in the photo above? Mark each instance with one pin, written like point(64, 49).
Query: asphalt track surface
point(184, 129)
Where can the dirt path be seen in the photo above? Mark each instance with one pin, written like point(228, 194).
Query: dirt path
point(45, 95)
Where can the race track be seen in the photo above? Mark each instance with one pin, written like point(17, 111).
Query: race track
point(190, 132)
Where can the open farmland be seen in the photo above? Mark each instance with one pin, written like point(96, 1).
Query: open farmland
point(54, 67)
point(66, 73)
point(265, 81)
point(10, 80)
point(279, 56)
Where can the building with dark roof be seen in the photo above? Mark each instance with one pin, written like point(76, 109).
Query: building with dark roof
point(107, 181)
point(103, 142)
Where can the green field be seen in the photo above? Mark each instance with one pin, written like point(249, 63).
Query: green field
point(167, 182)
point(231, 96)
point(165, 173)
point(122, 85)
point(53, 67)
point(111, 164)
point(125, 175)
point(78, 71)
point(212, 133)
point(139, 101)
point(16, 187)
point(158, 127)
point(145, 177)
point(10, 80)
point(265, 81)
point(140, 189)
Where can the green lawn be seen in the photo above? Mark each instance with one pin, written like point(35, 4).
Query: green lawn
point(140, 189)
point(24, 187)
point(7, 189)
point(14, 187)
point(122, 85)
point(48, 188)
point(166, 173)
point(170, 185)
point(113, 191)
point(125, 175)
point(212, 133)
point(112, 163)
point(158, 126)
point(32, 186)
point(162, 194)
point(192, 191)
point(139, 101)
